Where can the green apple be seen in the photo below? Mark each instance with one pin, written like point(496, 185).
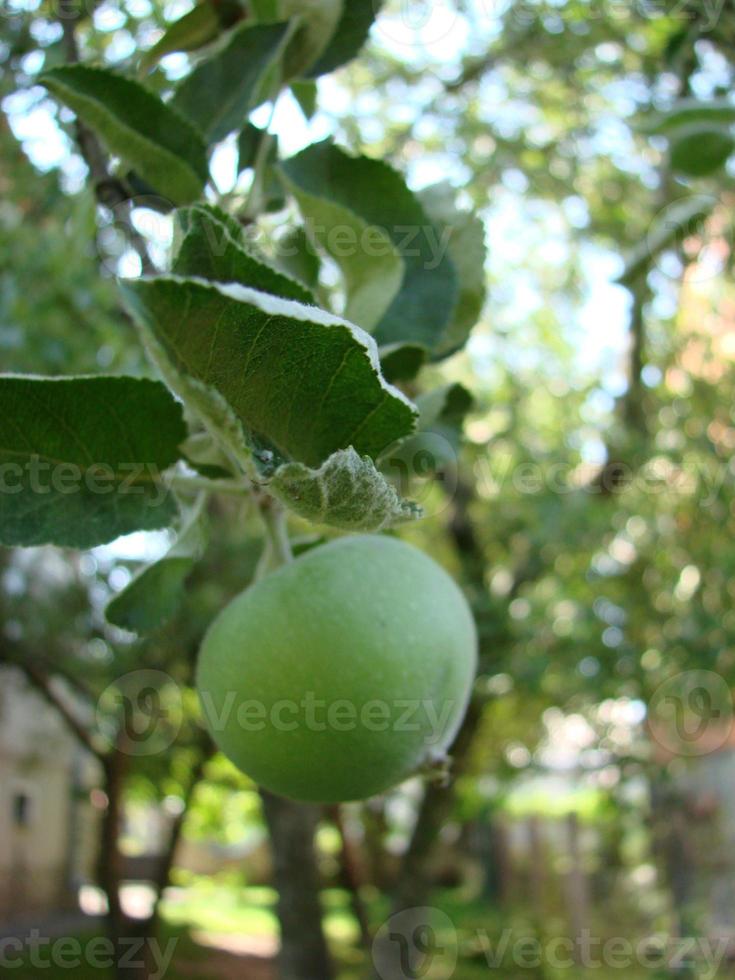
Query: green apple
point(342, 673)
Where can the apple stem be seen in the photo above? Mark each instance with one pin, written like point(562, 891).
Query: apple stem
point(277, 550)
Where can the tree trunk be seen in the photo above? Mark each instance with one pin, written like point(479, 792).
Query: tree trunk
point(351, 875)
point(413, 885)
point(303, 954)
point(537, 870)
point(149, 930)
point(575, 883)
point(110, 872)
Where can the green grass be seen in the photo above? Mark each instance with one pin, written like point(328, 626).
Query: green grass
point(209, 906)
point(465, 936)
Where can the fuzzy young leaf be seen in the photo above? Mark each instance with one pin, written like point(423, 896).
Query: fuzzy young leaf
point(211, 249)
point(465, 234)
point(154, 595)
point(163, 147)
point(347, 492)
point(299, 382)
point(357, 201)
point(82, 458)
point(220, 92)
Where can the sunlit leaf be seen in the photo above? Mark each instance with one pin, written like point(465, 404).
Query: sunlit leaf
point(82, 458)
point(220, 92)
point(465, 234)
point(363, 214)
point(165, 149)
point(213, 248)
point(154, 595)
point(296, 379)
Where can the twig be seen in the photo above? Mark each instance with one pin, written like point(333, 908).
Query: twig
point(109, 191)
point(202, 483)
point(278, 551)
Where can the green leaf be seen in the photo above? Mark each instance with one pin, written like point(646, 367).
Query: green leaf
point(265, 11)
point(268, 195)
point(466, 236)
point(212, 248)
point(247, 145)
point(305, 92)
point(678, 220)
point(316, 21)
point(435, 444)
point(687, 112)
point(297, 258)
point(347, 492)
point(81, 458)
point(402, 362)
point(220, 92)
point(349, 37)
point(192, 31)
point(205, 456)
point(155, 594)
point(298, 382)
point(163, 147)
point(700, 150)
point(372, 278)
point(351, 204)
point(371, 281)
point(447, 405)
